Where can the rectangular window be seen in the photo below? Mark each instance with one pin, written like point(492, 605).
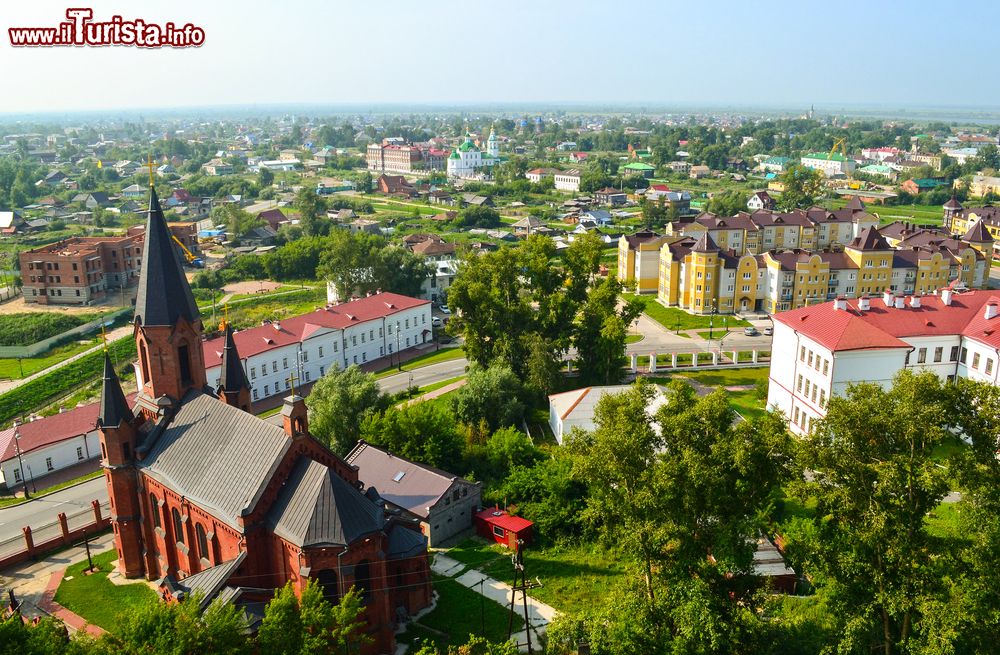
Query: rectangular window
point(284, 362)
point(79, 453)
point(938, 353)
point(795, 416)
point(17, 475)
point(802, 353)
point(810, 361)
point(267, 390)
point(989, 366)
point(921, 355)
point(954, 354)
point(965, 354)
point(255, 394)
point(48, 463)
point(822, 398)
point(321, 351)
point(807, 388)
point(498, 531)
point(826, 366)
point(975, 360)
point(274, 366)
point(253, 372)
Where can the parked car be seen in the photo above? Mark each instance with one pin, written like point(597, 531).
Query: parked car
point(436, 321)
point(768, 331)
point(445, 310)
point(750, 331)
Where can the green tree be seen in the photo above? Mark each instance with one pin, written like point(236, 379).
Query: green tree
point(875, 481)
point(180, 628)
point(265, 178)
point(339, 402)
point(728, 203)
point(238, 222)
point(480, 216)
point(802, 186)
point(491, 396)
point(424, 432)
point(312, 212)
point(311, 625)
point(600, 333)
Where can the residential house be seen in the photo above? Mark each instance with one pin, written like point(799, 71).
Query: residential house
point(216, 167)
point(830, 164)
point(639, 260)
point(568, 180)
point(611, 197)
point(760, 200)
point(443, 503)
point(698, 172)
point(915, 186)
point(575, 409)
point(536, 174)
point(638, 168)
point(134, 192)
point(394, 185)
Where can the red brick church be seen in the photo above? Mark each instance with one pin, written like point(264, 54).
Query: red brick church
point(210, 499)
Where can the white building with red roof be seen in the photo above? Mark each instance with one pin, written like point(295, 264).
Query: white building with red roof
point(309, 345)
point(819, 350)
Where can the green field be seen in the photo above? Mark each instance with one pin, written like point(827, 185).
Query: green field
point(675, 319)
point(460, 612)
point(26, 328)
point(96, 599)
point(12, 369)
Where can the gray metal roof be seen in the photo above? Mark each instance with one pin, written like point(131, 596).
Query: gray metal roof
point(406, 484)
point(404, 542)
point(218, 456)
point(319, 508)
point(164, 293)
point(211, 580)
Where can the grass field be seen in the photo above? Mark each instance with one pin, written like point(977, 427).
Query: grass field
point(10, 368)
point(95, 598)
point(460, 612)
point(674, 319)
point(745, 401)
point(573, 577)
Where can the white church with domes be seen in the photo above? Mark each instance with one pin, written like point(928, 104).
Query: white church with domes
point(469, 162)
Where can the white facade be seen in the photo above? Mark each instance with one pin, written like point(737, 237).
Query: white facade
point(805, 373)
point(829, 166)
point(468, 162)
point(568, 181)
point(435, 287)
point(316, 349)
point(50, 458)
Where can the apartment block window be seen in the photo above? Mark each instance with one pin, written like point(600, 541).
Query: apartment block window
point(305, 355)
point(354, 340)
point(938, 354)
point(822, 398)
point(255, 394)
point(267, 389)
point(321, 351)
point(284, 362)
point(274, 366)
point(826, 367)
point(795, 415)
point(965, 355)
point(322, 371)
point(954, 354)
point(253, 372)
point(975, 361)
point(810, 361)
point(79, 453)
point(807, 388)
point(989, 366)
point(921, 355)
point(48, 463)
point(802, 353)
point(798, 386)
point(17, 475)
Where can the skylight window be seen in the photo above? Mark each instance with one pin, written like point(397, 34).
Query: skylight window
point(398, 476)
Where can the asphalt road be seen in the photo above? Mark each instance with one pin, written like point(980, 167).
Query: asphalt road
point(43, 511)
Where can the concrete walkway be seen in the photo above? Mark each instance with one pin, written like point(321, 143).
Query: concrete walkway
point(437, 393)
point(539, 614)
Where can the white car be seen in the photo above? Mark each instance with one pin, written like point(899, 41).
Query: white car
point(444, 309)
point(436, 321)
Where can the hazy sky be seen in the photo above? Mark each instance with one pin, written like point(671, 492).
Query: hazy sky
point(706, 52)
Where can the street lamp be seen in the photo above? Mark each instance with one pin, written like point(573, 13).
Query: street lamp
point(20, 462)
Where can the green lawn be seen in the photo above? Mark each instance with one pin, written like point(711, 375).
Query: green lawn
point(443, 355)
point(95, 598)
point(946, 521)
point(10, 368)
point(573, 577)
point(746, 402)
point(674, 319)
point(460, 612)
point(633, 338)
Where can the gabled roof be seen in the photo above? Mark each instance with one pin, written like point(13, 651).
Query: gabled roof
point(48, 430)
point(218, 456)
point(164, 293)
point(414, 487)
point(113, 407)
point(210, 581)
point(319, 508)
point(705, 244)
point(870, 239)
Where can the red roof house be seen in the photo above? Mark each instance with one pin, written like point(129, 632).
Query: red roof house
point(496, 524)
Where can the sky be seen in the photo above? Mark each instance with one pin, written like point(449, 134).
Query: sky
point(705, 53)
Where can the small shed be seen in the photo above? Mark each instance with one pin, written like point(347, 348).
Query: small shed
point(496, 524)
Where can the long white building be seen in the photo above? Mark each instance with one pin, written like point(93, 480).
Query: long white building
point(819, 350)
point(309, 345)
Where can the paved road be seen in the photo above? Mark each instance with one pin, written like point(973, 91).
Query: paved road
point(43, 511)
point(657, 339)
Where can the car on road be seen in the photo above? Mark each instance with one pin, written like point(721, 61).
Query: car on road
point(444, 309)
point(750, 331)
point(768, 331)
point(436, 321)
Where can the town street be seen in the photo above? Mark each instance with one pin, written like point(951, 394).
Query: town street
point(44, 511)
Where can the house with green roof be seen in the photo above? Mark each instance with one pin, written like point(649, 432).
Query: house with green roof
point(878, 170)
point(775, 164)
point(639, 168)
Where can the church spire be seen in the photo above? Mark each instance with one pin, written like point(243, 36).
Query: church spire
point(114, 407)
point(233, 386)
point(164, 293)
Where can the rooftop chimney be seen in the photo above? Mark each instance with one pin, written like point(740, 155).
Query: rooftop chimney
point(864, 303)
point(840, 304)
point(900, 303)
point(946, 296)
point(991, 311)
point(915, 302)
point(887, 297)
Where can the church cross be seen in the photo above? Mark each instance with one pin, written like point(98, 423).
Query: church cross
point(291, 382)
point(149, 165)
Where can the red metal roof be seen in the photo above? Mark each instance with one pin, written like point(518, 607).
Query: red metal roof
point(883, 327)
point(504, 520)
point(266, 337)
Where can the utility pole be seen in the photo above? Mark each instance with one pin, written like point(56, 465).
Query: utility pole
point(520, 584)
point(20, 462)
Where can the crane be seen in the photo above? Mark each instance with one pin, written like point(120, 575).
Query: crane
point(838, 145)
point(188, 255)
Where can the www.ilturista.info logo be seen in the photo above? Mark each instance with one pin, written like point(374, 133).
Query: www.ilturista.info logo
point(82, 30)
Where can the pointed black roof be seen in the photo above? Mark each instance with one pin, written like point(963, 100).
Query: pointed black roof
point(233, 377)
point(855, 204)
point(164, 293)
point(114, 407)
point(953, 204)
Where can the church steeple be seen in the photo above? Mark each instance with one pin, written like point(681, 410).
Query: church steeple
point(167, 321)
point(164, 293)
point(114, 408)
point(233, 387)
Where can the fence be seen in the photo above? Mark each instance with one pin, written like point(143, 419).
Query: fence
point(66, 530)
point(43, 346)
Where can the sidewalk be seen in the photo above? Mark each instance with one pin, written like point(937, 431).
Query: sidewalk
point(34, 583)
point(539, 614)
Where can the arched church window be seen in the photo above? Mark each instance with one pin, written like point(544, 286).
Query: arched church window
point(154, 509)
point(178, 526)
